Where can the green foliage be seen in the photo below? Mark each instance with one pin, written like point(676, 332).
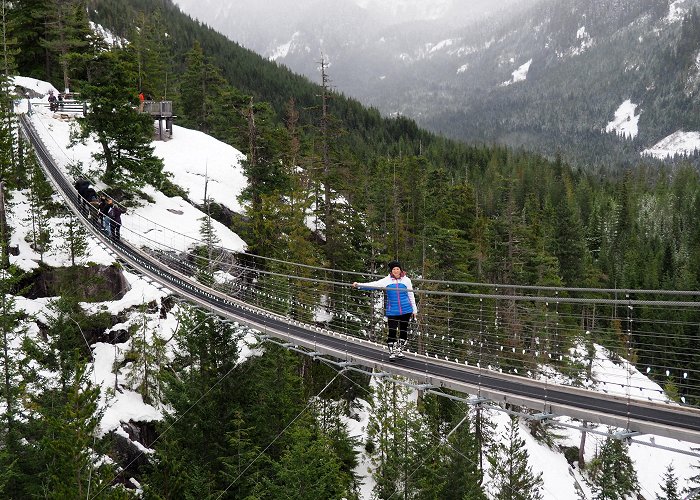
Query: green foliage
point(40, 192)
point(669, 488)
point(147, 355)
point(611, 473)
point(236, 427)
point(123, 133)
point(511, 475)
point(208, 254)
point(308, 468)
point(74, 237)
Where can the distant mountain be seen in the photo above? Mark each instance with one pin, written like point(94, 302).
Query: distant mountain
point(548, 75)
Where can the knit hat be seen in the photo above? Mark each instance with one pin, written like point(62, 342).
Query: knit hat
point(394, 263)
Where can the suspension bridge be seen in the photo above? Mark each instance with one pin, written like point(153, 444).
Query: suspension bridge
point(526, 346)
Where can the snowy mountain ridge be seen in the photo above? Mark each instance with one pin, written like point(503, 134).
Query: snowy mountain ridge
point(492, 75)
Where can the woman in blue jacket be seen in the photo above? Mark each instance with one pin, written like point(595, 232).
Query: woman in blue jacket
point(400, 305)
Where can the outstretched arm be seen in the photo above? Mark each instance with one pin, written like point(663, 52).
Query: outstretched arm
point(381, 283)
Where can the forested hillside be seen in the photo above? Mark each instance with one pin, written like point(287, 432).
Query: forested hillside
point(331, 184)
point(441, 206)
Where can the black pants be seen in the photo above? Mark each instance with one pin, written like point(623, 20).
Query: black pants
point(399, 323)
point(115, 229)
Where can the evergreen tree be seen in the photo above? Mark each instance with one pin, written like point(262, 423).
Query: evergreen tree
point(210, 251)
point(65, 452)
point(69, 420)
point(67, 31)
point(147, 356)
point(11, 329)
point(123, 133)
point(75, 241)
point(8, 169)
point(240, 472)
point(202, 392)
point(264, 169)
point(308, 468)
point(694, 481)
point(40, 192)
point(201, 88)
point(669, 488)
point(464, 478)
point(402, 445)
point(511, 475)
point(152, 49)
point(611, 473)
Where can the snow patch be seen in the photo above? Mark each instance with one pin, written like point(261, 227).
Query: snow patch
point(281, 51)
point(625, 123)
point(439, 46)
point(519, 74)
point(678, 143)
point(110, 38)
point(677, 11)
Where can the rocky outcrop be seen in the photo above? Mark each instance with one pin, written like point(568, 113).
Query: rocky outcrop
point(95, 283)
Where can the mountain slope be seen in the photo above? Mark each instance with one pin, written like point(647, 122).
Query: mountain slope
point(548, 75)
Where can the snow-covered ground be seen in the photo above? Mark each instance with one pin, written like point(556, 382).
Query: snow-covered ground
point(519, 75)
point(678, 143)
point(625, 123)
point(191, 156)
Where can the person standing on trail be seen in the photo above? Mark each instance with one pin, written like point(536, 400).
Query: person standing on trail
point(400, 304)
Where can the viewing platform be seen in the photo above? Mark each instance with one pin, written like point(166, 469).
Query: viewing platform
point(163, 112)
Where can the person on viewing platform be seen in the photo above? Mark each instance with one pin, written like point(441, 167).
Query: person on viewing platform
point(142, 99)
point(53, 102)
point(400, 304)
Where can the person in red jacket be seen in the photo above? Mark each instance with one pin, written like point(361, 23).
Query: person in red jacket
point(400, 303)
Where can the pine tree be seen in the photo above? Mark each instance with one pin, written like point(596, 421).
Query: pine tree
point(147, 356)
point(65, 417)
point(267, 179)
point(308, 468)
point(67, 31)
point(511, 475)
point(209, 253)
point(464, 478)
point(611, 473)
point(203, 391)
point(70, 420)
point(403, 447)
point(40, 192)
point(669, 488)
point(75, 241)
point(123, 133)
point(11, 329)
point(208, 103)
point(152, 48)
point(241, 472)
point(693, 481)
